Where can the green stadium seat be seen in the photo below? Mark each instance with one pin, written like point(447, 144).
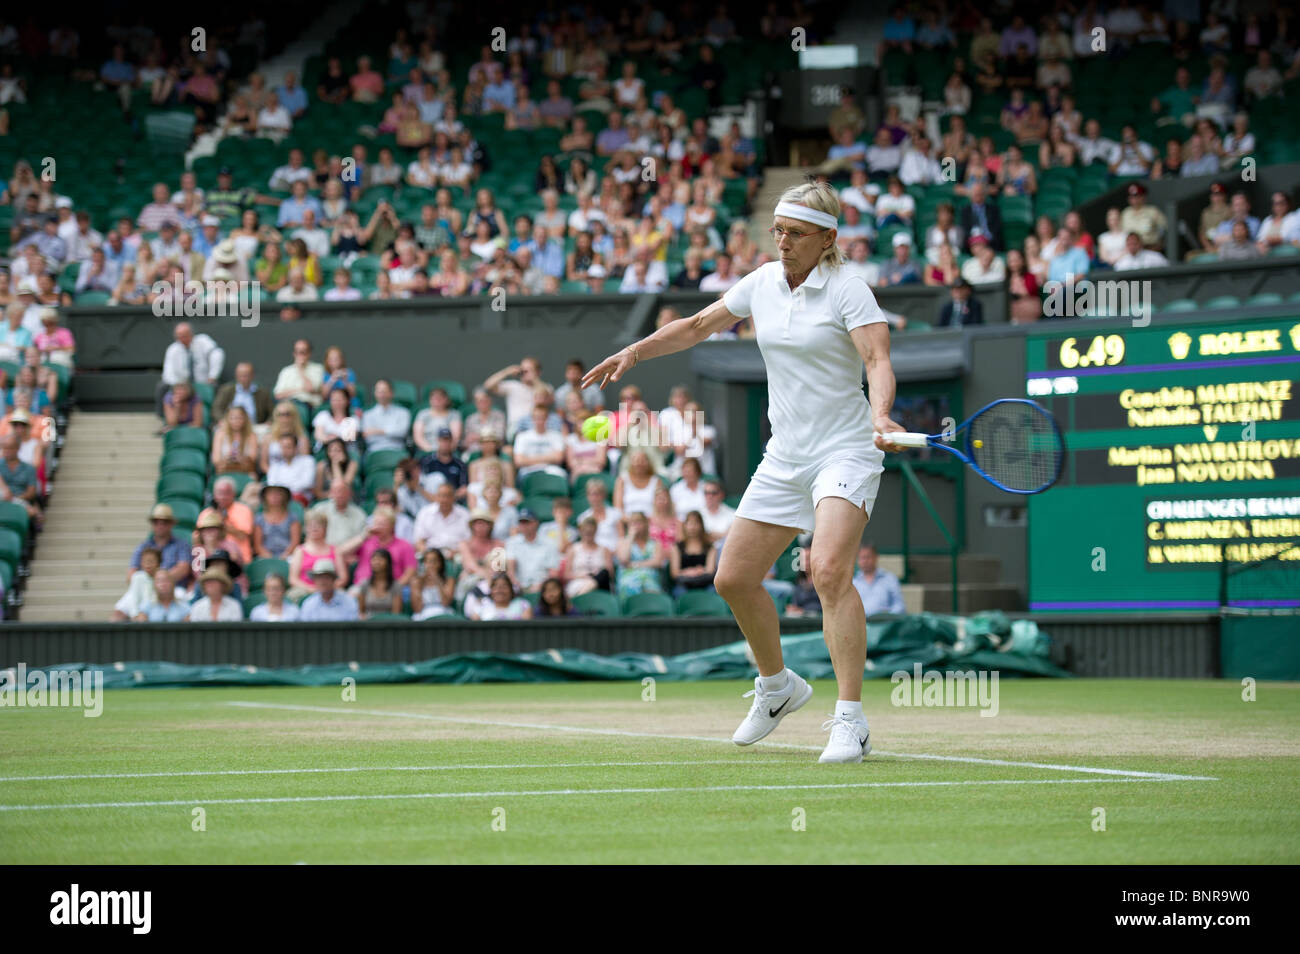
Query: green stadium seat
point(382, 461)
point(648, 604)
point(184, 458)
point(1264, 298)
point(180, 483)
point(1284, 251)
point(540, 505)
point(1222, 301)
point(455, 392)
point(1180, 304)
point(597, 603)
point(241, 481)
point(13, 516)
point(702, 604)
point(544, 485)
point(252, 601)
point(405, 394)
point(259, 569)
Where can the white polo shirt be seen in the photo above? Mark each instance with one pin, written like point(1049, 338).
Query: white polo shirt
point(816, 404)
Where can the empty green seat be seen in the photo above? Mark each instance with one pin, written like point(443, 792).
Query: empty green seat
point(702, 604)
point(648, 604)
point(596, 603)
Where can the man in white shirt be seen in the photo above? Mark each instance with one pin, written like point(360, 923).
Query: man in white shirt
point(878, 588)
point(646, 274)
point(293, 470)
point(859, 263)
point(189, 357)
point(346, 530)
point(861, 194)
point(722, 278)
point(530, 559)
point(520, 395)
point(917, 167)
point(984, 268)
point(1136, 257)
point(718, 517)
point(298, 289)
point(539, 450)
point(302, 380)
point(316, 238)
point(385, 425)
point(443, 524)
point(1092, 145)
point(287, 175)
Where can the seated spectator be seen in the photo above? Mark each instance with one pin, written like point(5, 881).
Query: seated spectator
point(216, 605)
point(163, 605)
point(551, 600)
point(900, 270)
point(634, 490)
point(984, 268)
point(1132, 157)
point(608, 519)
point(313, 548)
point(1147, 221)
point(1016, 176)
point(1240, 247)
point(963, 309)
point(1136, 257)
point(1070, 260)
point(530, 559)
point(718, 516)
point(557, 531)
point(328, 603)
point(367, 84)
point(945, 271)
point(379, 593)
point(336, 421)
point(693, 561)
point(175, 550)
point(293, 470)
point(588, 565)
point(433, 590)
point(539, 449)
point(884, 156)
point(139, 591)
point(501, 602)
point(1280, 226)
point(895, 207)
point(1110, 244)
point(878, 588)
point(859, 263)
point(1240, 142)
point(382, 536)
point(1198, 162)
point(181, 407)
point(236, 517)
point(1022, 287)
point(640, 559)
point(385, 424)
point(245, 393)
point(276, 532)
point(276, 609)
point(273, 121)
point(235, 447)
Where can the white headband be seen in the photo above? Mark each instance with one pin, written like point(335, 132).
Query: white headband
point(804, 214)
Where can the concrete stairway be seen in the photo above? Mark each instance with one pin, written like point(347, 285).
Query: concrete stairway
point(98, 514)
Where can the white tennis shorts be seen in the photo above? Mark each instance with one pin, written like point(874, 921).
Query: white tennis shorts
point(787, 494)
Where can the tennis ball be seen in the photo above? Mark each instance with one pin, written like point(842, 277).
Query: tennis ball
point(596, 429)
point(978, 443)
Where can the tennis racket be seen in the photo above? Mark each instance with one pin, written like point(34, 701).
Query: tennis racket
point(1012, 443)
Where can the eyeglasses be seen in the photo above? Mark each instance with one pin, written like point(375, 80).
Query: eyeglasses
point(778, 233)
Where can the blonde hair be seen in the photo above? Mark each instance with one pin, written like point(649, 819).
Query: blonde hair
point(820, 197)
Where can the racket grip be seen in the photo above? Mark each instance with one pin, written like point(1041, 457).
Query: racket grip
point(908, 439)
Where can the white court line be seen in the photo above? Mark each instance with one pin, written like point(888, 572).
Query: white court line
point(367, 768)
point(1124, 773)
point(565, 791)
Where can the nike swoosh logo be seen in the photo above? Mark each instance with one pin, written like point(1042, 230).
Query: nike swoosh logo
point(773, 713)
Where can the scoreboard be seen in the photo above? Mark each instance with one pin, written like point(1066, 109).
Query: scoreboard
point(1183, 452)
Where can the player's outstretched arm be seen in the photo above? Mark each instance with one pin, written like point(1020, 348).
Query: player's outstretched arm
point(673, 337)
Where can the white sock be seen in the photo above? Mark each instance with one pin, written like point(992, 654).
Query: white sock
point(849, 710)
point(776, 683)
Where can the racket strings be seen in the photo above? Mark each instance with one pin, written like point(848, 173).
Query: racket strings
point(1017, 446)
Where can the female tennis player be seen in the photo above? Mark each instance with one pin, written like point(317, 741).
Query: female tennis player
point(816, 327)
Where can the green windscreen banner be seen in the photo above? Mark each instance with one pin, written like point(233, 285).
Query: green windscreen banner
point(1183, 452)
point(986, 641)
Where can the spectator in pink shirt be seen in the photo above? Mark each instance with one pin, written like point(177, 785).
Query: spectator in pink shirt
point(54, 342)
point(367, 85)
point(202, 91)
point(382, 536)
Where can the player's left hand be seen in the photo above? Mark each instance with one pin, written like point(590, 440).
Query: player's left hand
point(883, 426)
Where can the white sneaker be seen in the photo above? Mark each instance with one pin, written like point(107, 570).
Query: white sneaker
point(850, 740)
point(770, 708)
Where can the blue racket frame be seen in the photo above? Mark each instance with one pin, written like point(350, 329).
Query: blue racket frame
point(937, 440)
